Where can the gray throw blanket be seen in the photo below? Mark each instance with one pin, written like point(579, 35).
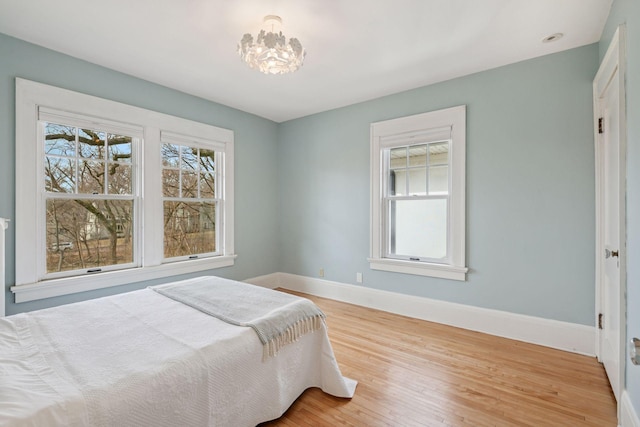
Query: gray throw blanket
point(277, 318)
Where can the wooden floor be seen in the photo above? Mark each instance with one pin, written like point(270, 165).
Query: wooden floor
point(416, 373)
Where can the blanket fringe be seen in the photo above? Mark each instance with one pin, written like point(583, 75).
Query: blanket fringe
point(291, 334)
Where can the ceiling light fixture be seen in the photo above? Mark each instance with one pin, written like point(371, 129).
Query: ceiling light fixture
point(270, 53)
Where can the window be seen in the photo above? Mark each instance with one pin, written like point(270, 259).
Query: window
point(83, 165)
point(416, 201)
point(88, 192)
point(190, 198)
point(418, 194)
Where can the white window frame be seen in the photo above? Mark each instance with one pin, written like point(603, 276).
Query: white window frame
point(31, 97)
point(449, 124)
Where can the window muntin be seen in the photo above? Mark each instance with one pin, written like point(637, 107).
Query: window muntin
point(418, 194)
point(189, 201)
point(88, 198)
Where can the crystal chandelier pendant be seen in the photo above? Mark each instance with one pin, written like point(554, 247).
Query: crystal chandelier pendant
point(270, 53)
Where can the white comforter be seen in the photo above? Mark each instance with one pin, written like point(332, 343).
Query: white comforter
point(141, 359)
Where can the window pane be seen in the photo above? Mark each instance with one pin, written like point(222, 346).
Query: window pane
point(439, 153)
point(119, 148)
point(119, 178)
point(189, 159)
point(88, 234)
point(418, 228)
point(171, 155)
point(438, 180)
point(60, 140)
point(418, 181)
point(418, 155)
point(207, 160)
point(170, 183)
point(189, 228)
point(189, 184)
point(398, 182)
point(59, 176)
point(90, 177)
point(398, 158)
point(207, 185)
point(91, 144)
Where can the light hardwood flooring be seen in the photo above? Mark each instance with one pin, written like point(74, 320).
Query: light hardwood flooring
point(416, 373)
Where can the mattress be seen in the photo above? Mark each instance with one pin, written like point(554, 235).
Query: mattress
point(142, 359)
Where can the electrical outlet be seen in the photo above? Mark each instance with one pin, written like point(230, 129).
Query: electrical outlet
point(359, 277)
point(321, 272)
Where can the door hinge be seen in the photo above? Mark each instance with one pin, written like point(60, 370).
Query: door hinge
point(600, 326)
point(601, 125)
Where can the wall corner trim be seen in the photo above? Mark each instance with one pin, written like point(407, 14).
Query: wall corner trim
point(556, 334)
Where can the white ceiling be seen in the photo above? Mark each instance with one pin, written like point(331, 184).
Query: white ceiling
point(356, 49)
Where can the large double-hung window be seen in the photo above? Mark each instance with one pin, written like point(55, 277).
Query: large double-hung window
point(89, 193)
point(191, 173)
point(417, 210)
point(110, 194)
point(416, 200)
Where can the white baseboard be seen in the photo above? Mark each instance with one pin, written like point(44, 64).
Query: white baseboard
point(550, 333)
point(628, 414)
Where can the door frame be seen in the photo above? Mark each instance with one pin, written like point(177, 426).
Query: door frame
point(613, 61)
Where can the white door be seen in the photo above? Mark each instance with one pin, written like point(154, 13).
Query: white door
point(610, 293)
point(610, 242)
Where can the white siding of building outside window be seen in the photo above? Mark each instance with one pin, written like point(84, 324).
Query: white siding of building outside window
point(442, 125)
point(30, 96)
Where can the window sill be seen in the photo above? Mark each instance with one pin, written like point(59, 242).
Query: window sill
point(71, 285)
point(419, 268)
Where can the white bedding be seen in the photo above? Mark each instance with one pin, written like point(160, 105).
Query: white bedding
point(141, 359)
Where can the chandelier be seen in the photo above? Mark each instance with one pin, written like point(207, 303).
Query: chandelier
point(270, 53)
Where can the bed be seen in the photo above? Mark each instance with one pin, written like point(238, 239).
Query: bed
point(147, 359)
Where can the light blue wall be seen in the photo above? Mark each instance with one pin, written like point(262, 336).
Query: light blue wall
point(529, 179)
point(530, 189)
point(255, 153)
point(628, 11)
